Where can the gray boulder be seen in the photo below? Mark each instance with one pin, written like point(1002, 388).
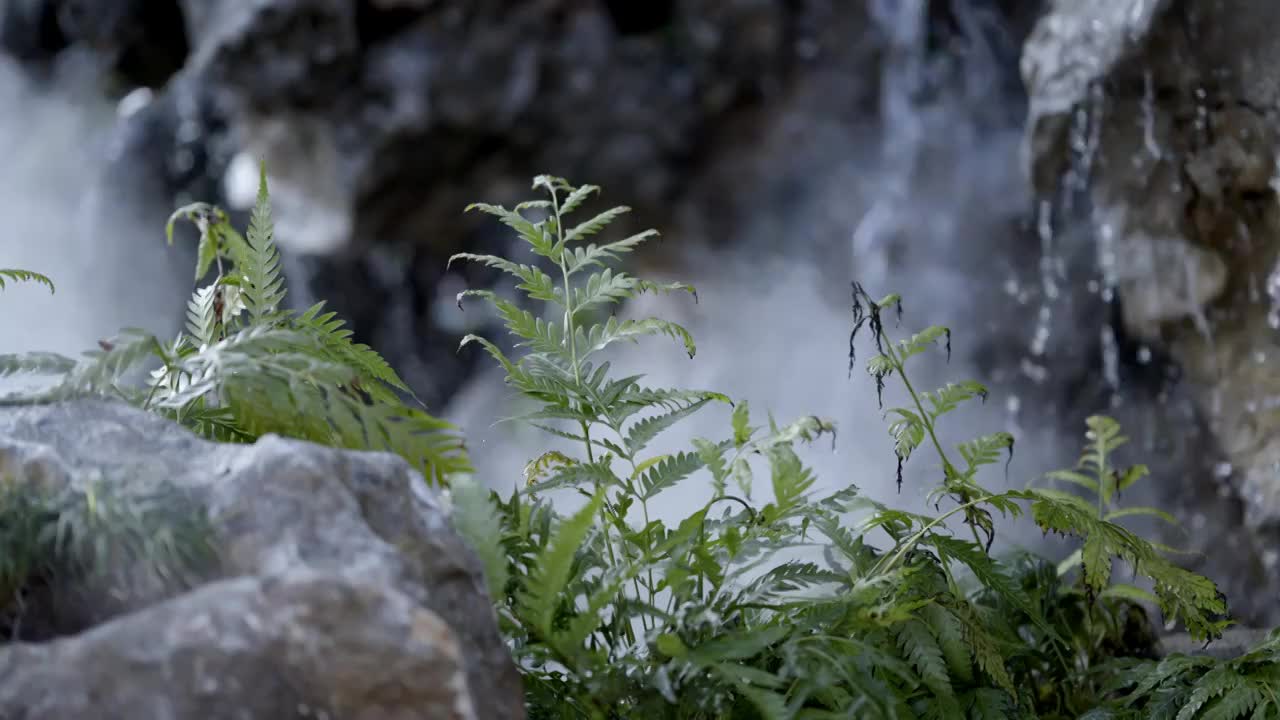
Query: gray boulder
point(339, 584)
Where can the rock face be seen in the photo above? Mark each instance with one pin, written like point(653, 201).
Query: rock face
point(1162, 118)
point(339, 586)
point(380, 120)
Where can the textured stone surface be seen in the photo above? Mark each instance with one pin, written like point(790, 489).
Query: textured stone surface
point(1163, 116)
point(297, 644)
point(294, 523)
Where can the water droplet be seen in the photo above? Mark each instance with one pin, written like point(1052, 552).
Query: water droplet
point(1110, 358)
point(1013, 404)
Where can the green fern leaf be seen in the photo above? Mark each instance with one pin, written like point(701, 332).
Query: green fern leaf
point(534, 282)
point(986, 653)
point(920, 648)
point(986, 450)
point(535, 235)
point(768, 703)
point(534, 332)
point(15, 275)
point(594, 225)
point(1235, 703)
point(578, 258)
point(1140, 512)
point(570, 641)
point(1070, 476)
point(667, 473)
point(1096, 557)
point(263, 287)
point(917, 343)
point(576, 197)
point(550, 573)
point(949, 631)
point(949, 398)
point(1131, 476)
point(203, 322)
point(335, 338)
point(989, 704)
point(642, 432)
point(477, 520)
point(612, 331)
point(1218, 681)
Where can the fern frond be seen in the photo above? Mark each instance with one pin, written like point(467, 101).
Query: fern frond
point(1217, 682)
point(576, 259)
point(920, 648)
point(263, 286)
point(533, 281)
point(576, 197)
point(477, 520)
point(919, 342)
point(602, 336)
point(203, 319)
point(17, 276)
point(594, 225)
point(666, 474)
point(534, 234)
point(335, 338)
point(551, 571)
point(533, 332)
point(949, 632)
point(642, 432)
point(985, 450)
point(947, 399)
point(1236, 703)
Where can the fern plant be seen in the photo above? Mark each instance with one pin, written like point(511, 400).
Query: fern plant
point(247, 365)
point(777, 608)
point(1186, 687)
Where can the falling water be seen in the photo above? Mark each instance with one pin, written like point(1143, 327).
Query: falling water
point(903, 24)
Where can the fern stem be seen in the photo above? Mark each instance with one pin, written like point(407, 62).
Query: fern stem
point(888, 561)
point(947, 468)
point(570, 329)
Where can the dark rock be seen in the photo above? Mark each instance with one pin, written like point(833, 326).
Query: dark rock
point(29, 30)
point(381, 119)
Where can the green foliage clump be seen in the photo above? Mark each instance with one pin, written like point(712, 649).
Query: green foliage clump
point(244, 367)
point(1185, 687)
point(780, 604)
point(769, 599)
point(247, 366)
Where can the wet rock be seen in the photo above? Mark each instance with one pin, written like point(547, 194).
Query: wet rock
point(1160, 118)
point(363, 596)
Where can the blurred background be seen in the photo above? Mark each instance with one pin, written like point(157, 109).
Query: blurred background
point(1081, 190)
